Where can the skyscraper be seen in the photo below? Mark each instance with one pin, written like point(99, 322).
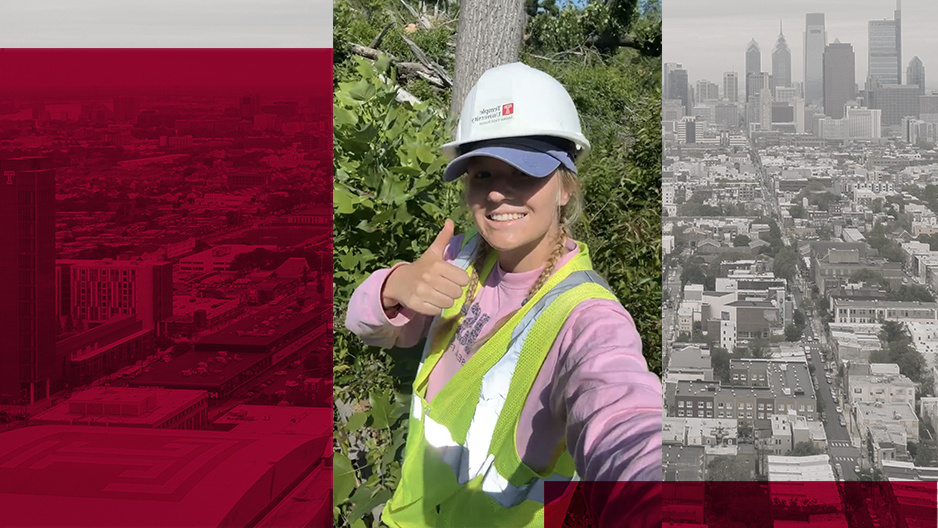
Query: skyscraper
point(27, 278)
point(781, 60)
point(915, 74)
point(753, 62)
point(815, 40)
point(665, 75)
point(759, 80)
point(731, 86)
point(707, 91)
point(677, 87)
point(885, 51)
point(839, 78)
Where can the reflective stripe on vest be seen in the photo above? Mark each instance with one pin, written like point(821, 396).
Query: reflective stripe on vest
point(474, 459)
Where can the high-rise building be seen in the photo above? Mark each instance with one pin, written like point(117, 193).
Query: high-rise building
point(864, 123)
point(27, 278)
point(815, 40)
point(915, 74)
point(753, 63)
point(671, 110)
point(927, 104)
point(94, 291)
point(757, 81)
point(885, 51)
point(707, 91)
point(786, 94)
point(731, 86)
point(126, 108)
point(765, 108)
point(781, 60)
point(666, 69)
point(839, 77)
point(726, 115)
point(677, 87)
point(896, 101)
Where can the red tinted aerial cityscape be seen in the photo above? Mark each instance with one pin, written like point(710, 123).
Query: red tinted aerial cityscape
point(165, 287)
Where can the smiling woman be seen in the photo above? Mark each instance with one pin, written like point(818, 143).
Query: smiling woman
point(516, 318)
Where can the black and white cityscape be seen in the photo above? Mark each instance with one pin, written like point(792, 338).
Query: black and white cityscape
point(800, 246)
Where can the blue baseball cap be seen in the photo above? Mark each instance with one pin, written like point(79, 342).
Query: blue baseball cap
point(532, 156)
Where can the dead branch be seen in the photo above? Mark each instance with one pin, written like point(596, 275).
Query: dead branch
point(422, 19)
point(377, 40)
point(422, 57)
point(406, 68)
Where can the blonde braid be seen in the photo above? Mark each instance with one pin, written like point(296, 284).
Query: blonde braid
point(484, 249)
point(555, 256)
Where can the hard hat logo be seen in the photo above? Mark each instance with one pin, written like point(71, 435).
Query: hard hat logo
point(493, 114)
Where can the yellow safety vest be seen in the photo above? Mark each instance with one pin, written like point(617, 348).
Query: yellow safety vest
point(461, 465)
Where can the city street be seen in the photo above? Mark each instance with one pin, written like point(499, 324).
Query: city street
point(669, 310)
point(840, 446)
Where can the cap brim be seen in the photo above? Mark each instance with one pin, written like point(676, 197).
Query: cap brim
point(531, 162)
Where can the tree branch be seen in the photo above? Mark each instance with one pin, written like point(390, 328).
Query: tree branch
point(377, 41)
point(406, 68)
point(422, 57)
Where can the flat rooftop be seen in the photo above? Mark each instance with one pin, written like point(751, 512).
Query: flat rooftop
point(120, 405)
point(253, 331)
point(78, 476)
point(283, 236)
point(268, 419)
point(216, 372)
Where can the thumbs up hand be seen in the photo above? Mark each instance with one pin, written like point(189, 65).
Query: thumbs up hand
point(429, 285)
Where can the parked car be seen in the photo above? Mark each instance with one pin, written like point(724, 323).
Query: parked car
point(280, 373)
point(843, 423)
point(292, 384)
point(839, 409)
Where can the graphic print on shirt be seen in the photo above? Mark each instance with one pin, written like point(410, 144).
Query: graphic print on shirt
point(468, 332)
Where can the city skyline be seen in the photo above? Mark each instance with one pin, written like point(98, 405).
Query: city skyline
point(706, 38)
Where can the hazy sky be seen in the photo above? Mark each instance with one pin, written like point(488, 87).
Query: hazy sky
point(710, 37)
point(166, 23)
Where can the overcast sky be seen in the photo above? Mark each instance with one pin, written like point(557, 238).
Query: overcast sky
point(710, 37)
point(166, 23)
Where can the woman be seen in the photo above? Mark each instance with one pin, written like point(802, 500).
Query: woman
point(532, 371)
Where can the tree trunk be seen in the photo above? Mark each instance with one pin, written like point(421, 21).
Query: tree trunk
point(489, 34)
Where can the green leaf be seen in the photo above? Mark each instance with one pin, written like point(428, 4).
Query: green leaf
point(425, 154)
point(343, 200)
point(359, 524)
point(362, 90)
point(356, 421)
point(343, 478)
point(382, 63)
point(343, 116)
point(367, 502)
point(380, 410)
point(406, 171)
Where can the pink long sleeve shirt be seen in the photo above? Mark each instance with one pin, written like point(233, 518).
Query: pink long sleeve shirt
point(594, 388)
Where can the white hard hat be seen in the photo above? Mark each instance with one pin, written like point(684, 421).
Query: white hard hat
point(516, 100)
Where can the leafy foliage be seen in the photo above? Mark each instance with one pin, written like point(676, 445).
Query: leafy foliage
point(804, 449)
point(726, 468)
